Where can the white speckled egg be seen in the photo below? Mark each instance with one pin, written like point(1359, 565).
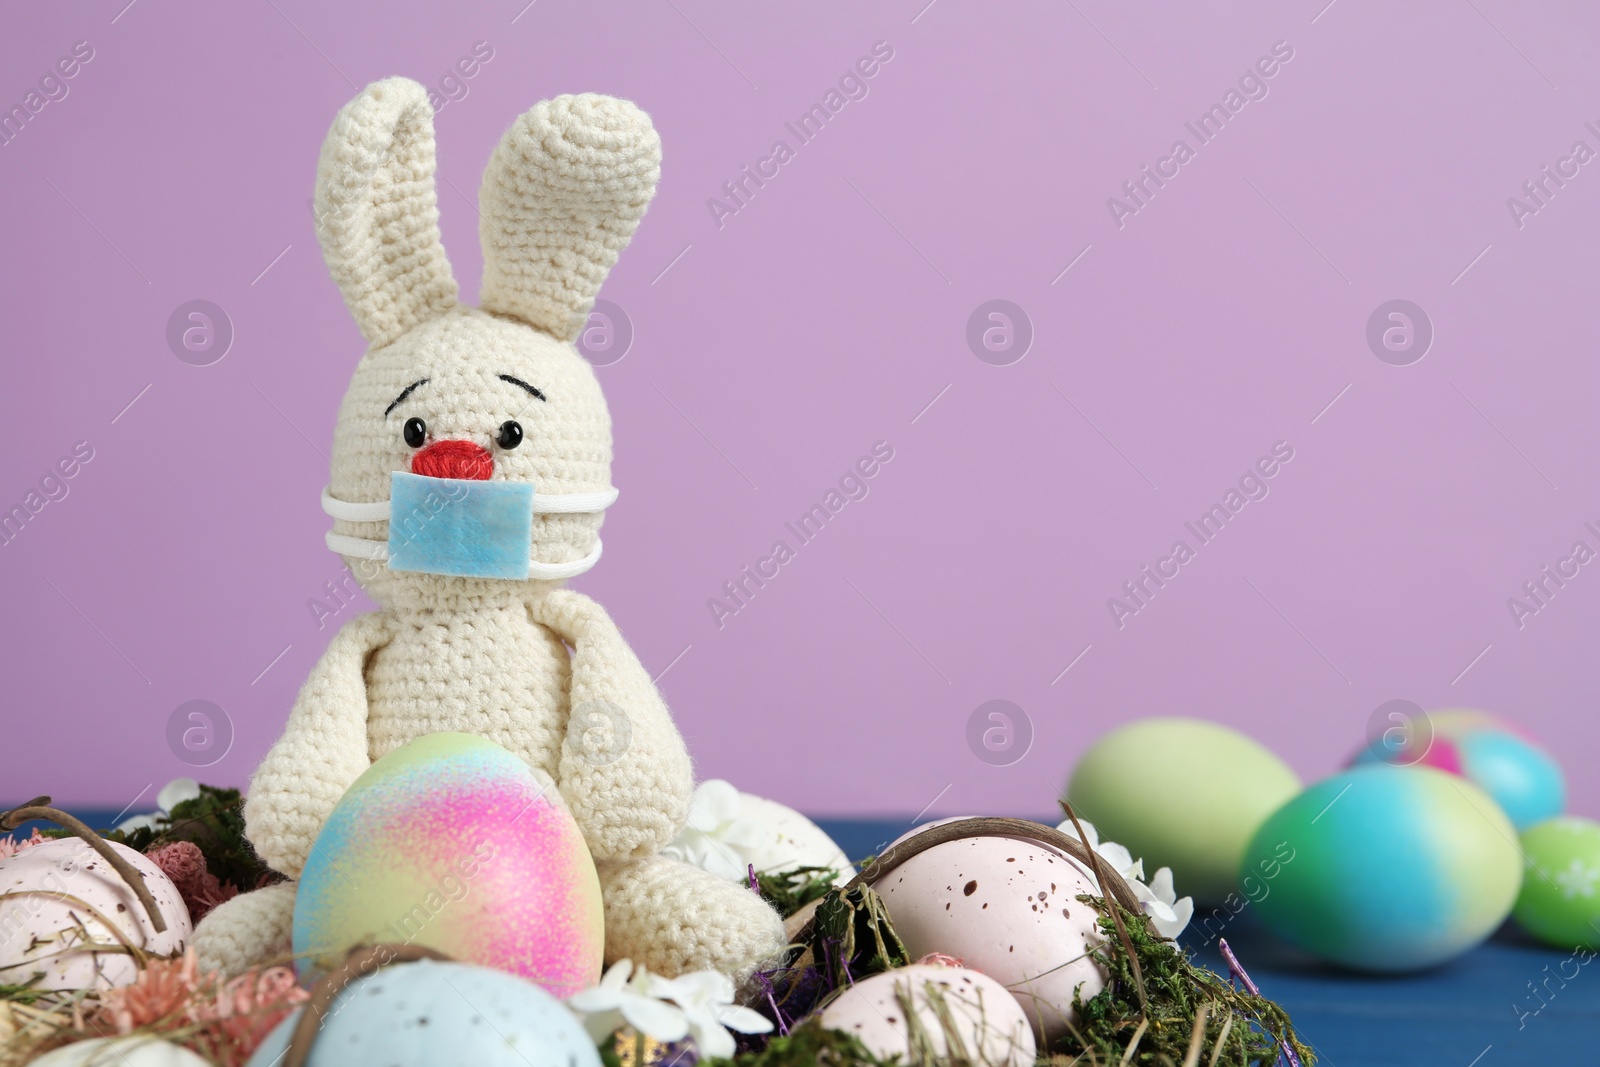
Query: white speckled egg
point(59, 903)
point(1008, 907)
point(792, 840)
point(989, 1021)
point(120, 1052)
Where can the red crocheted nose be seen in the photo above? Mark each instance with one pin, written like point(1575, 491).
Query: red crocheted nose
point(453, 459)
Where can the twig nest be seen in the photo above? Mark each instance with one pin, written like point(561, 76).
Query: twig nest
point(120, 1052)
point(1006, 906)
point(428, 1013)
point(926, 1012)
point(67, 916)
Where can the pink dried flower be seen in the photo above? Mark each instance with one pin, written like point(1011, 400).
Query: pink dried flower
point(185, 864)
point(162, 990)
point(182, 861)
point(10, 846)
point(246, 1009)
point(224, 1021)
point(942, 960)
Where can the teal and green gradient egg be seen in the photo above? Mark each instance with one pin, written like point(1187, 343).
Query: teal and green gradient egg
point(1392, 868)
point(453, 843)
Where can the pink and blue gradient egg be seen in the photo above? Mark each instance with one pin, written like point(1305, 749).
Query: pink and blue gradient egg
point(1387, 868)
point(453, 843)
point(1503, 759)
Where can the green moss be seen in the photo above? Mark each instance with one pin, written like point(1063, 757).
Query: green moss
point(809, 1045)
point(853, 938)
point(214, 821)
point(792, 890)
point(1175, 991)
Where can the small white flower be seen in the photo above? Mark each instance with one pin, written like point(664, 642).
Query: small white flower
point(1120, 859)
point(1158, 900)
point(699, 1004)
point(718, 838)
point(706, 998)
point(172, 794)
point(638, 1002)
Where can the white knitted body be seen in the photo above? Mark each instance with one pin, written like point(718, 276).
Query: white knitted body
point(560, 199)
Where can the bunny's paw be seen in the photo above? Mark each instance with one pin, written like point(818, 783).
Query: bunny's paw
point(251, 928)
point(674, 918)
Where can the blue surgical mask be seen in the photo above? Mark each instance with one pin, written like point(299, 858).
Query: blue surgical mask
point(466, 528)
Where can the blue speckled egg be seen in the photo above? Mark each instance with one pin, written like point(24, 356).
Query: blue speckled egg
point(429, 1013)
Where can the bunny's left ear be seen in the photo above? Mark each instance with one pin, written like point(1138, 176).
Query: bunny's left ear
point(377, 213)
point(561, 197)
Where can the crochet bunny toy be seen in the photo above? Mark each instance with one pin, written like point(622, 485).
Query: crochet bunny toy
point(494, 409)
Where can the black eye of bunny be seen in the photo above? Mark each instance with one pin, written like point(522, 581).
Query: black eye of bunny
point(510, 434)
point(415, 432)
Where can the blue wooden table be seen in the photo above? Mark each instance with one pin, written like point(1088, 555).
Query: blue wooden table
point(1508, 1003)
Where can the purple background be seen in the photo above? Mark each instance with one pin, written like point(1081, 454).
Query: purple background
point(826, 315)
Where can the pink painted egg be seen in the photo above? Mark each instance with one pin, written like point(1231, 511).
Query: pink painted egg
point(453, 843)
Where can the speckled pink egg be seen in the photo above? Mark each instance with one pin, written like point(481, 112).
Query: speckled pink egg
point(1008, 907)
point(65, 915)
point(988, 1020)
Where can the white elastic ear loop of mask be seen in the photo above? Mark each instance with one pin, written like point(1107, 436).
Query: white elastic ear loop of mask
point(543, 504)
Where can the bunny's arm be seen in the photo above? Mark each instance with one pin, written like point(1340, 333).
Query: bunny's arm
point(624, 771)
point(322, 751)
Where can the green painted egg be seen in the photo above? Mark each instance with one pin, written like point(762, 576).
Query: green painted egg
point(1181, 793)
point(1560, 898)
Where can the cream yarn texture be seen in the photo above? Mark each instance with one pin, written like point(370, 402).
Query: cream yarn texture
point(533, 666)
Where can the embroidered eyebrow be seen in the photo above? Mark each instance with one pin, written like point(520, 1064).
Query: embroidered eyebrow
point(525, 385)
point(403, 394)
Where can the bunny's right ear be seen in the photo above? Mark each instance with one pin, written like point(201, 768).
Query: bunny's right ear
point(377, 212)
point(561, 197)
